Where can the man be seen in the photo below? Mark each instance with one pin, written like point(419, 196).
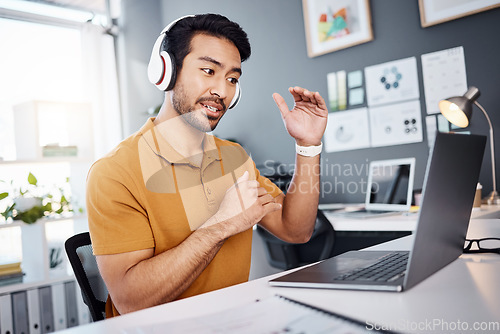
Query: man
point(171, 209)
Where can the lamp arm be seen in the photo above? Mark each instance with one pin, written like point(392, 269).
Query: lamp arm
point(492, 145)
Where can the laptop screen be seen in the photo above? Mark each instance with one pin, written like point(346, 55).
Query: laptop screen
point(390, 185)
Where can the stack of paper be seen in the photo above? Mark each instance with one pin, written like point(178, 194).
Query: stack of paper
point(11, 273)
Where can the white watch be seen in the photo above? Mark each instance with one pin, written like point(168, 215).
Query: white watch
point(308, 151)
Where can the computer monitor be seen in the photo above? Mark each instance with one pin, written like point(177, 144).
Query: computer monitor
point(390, 185)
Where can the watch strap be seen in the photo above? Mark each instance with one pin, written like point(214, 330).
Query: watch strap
point(308, 151)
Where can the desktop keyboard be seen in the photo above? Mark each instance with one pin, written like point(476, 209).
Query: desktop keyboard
point(389, 268)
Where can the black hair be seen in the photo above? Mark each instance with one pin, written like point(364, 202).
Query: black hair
point(178, 39)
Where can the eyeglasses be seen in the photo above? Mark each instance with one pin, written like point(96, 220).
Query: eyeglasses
point(485, 245)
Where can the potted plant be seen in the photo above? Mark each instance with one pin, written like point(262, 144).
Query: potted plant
point(34, 202)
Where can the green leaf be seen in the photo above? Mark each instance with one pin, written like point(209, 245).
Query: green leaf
point(4, 195)
point(32, 179)
point(32, 215)
point(9, 212)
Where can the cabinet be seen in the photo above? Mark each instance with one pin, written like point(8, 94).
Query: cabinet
point(43, 309)
point(48, 298)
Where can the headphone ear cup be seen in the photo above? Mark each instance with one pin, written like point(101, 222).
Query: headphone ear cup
point(167, 80)
point(236, 97)
point(162, 71)
point(156, 66)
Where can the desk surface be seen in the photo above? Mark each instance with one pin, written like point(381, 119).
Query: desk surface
point(464, 293)
point(397, 222)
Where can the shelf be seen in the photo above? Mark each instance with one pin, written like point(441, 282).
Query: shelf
point(54, 141)
point(17, 223)
point(38, 241)
point(47, 160)
point(28, 284)
point(60, 126)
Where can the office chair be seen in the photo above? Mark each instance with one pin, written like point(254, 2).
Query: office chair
point(284, 255)
point(84, 264)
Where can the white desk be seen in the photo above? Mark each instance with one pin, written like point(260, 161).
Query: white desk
point(398, 222)
point(464, 292)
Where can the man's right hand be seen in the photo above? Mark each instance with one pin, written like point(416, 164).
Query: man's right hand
point(243, 206)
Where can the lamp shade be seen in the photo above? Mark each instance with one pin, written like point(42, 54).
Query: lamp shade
point(458, 109)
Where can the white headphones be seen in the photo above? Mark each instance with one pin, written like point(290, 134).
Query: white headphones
point(162, 70)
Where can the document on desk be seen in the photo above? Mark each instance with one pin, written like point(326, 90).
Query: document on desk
point(272, 315)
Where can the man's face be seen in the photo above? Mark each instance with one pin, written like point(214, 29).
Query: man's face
point(207, 81)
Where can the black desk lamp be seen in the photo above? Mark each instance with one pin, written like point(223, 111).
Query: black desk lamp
point(458, 111)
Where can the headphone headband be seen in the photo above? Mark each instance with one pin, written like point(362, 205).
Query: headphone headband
point(171, 24)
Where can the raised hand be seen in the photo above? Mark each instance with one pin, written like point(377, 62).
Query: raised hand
point(306, 122)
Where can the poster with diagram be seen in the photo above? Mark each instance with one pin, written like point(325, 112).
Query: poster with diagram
point(444, 76)
point(347, 130)
point(396, 124)
point(392, 82)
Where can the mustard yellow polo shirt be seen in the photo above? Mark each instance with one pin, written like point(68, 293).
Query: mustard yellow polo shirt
point(144, 194)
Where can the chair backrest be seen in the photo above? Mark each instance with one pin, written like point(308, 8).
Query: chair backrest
point(84, 264)
point(284, 255)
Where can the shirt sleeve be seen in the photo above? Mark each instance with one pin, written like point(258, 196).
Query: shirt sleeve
point(117, 221)
point(267, 184)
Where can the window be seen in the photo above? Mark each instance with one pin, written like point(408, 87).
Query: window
point(64, 66)
point(37, 62)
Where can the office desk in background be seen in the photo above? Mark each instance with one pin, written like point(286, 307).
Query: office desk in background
point(353, 234)
point(398, 222)
point(464, 293)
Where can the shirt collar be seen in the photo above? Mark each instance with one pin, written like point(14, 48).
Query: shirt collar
point(162, 147)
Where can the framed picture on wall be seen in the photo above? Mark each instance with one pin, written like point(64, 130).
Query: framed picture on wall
point(433, 12)
point(333, 25)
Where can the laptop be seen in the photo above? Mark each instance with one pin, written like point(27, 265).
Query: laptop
point(389, 189)
point(448, 193)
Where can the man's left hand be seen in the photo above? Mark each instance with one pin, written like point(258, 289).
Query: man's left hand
point(306, 122)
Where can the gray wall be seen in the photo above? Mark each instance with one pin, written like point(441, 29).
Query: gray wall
point(140, 23)
point(279, 60)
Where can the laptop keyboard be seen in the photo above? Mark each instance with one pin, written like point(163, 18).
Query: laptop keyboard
point(389, 268)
